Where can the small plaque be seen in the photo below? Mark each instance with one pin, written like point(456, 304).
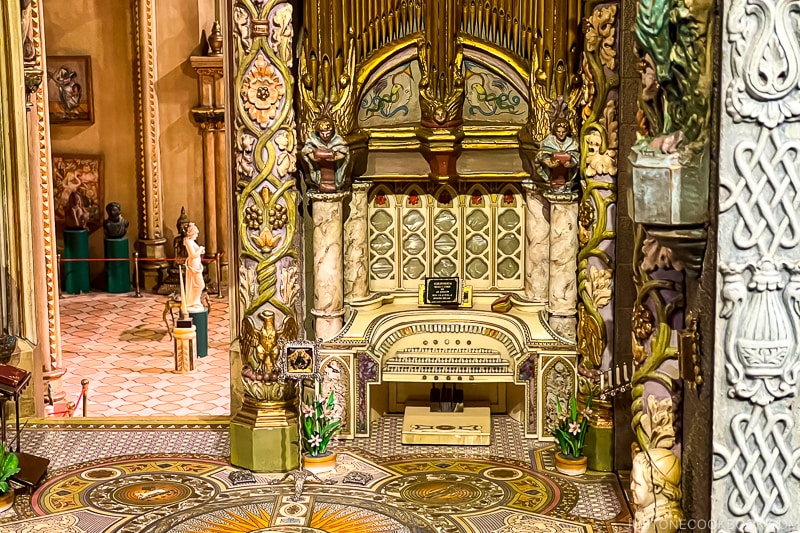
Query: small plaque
point(443, 291)
point(299, 360)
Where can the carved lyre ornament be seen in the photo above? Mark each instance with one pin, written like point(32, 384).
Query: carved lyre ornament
point(763, 330)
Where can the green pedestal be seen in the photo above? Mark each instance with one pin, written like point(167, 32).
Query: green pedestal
point(599, 449)
point(200, 321)
point(76, 273)
point(264, 437)
point(118, 273)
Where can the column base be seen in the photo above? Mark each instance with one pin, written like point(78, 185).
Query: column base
point(564, 326)
point(53, 380)
point(265, 436)
point(599, 448)
point(152, 272)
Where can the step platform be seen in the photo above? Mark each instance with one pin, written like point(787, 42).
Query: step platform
point(473, 427)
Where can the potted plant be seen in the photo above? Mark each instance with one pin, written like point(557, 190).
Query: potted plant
point(9, 465)
point(570, 432)
point(320, 424)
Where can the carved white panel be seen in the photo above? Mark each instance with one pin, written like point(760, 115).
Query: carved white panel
point(757, 353)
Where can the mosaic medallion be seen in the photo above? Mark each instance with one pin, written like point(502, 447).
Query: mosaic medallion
point(444, 493)
point(138, 492)
point(129, 485)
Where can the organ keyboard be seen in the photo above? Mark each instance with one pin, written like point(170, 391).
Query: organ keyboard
point(436, 363)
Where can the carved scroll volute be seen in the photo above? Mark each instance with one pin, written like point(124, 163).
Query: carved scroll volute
point(328, 77)
point(441, 87)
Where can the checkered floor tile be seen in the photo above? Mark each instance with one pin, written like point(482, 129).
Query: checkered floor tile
point(121, 344)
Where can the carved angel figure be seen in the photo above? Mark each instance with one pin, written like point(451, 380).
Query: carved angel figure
point(260, 349)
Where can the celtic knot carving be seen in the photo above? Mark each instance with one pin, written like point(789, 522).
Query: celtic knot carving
point(766, 192)
point(765, 60)
point(760, 464)
point(762, 334)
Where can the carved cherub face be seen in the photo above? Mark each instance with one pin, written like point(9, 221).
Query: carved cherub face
point(325, 130)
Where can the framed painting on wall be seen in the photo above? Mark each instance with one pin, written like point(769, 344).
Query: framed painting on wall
point(69, 86)
point(82, 174)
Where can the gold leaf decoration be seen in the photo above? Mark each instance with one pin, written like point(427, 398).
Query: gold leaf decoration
point(599, 286)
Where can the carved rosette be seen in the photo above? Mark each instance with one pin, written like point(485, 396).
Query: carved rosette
point(266, 192)
point(596, 221)
point(756, 476)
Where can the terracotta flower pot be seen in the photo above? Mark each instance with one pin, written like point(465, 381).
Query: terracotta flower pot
point(570, 466)
point(6, 500)
point(320, 463)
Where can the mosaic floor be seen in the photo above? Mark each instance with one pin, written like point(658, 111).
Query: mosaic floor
point(100, 481)
point(120, 343)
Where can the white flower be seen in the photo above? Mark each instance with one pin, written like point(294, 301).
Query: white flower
point(574, 428)
point(307, 409)
point(314, 441)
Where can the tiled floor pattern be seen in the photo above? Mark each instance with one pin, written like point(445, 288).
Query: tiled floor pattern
point(120, 343)
point(87, 449)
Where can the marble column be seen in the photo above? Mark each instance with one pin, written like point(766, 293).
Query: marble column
point(328, 284)
point(537, 244)
point(151, 234)
point(563, 288)
point(356, 259)
point(210, 117)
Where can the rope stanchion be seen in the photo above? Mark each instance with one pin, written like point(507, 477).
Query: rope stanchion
point(58, 276)
point(136, 274)
point(218, 261)
point(85, 395)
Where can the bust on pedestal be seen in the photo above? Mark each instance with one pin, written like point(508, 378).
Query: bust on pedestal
point(76, 245)
point(194, 287)
point(118, 270)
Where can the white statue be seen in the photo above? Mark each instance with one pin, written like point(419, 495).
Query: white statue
point(655, 480)
point(194, 269)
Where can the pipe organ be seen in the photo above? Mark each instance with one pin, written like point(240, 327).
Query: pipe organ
point(443, 105)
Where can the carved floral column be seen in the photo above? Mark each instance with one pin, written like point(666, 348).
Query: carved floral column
point(266, 304)
point(670, 211)
point(756, 483)
point(42, 214)
point(597, 223)
point(328, 288)
point(356, 258)
point(151, 234)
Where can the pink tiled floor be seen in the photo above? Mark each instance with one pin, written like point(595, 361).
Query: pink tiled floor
point(120, 344)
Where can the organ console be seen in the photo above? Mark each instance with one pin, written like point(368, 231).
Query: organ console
point(389, 340)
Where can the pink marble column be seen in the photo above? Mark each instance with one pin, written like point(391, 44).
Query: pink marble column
point(356, 259)
point(562, 298)
point(328, 280)
point(537, 244)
